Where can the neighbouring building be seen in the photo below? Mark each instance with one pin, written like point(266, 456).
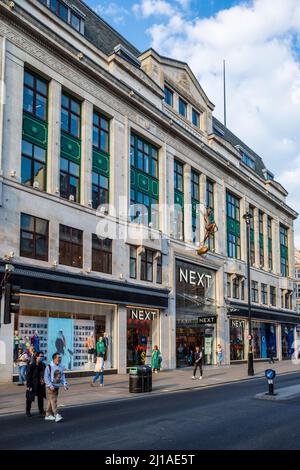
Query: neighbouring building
point(90, 129)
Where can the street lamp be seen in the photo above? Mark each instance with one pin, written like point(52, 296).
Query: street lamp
point(247, 217)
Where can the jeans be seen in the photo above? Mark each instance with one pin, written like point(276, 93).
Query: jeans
point(198, 364)
point(99, 375)
point(22, 374)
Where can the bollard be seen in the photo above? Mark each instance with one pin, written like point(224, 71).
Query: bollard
point(270, 375)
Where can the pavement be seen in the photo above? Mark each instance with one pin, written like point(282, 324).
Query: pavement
point(12, 397)
point(207, 418)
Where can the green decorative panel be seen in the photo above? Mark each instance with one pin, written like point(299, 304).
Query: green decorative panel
point(178, 198)
point(35, 131)
point(101, 162)
point(270, 244)
point(233, 227)
point(261, 240)
point(284, 253)
point(144, 183)
point(70, 148)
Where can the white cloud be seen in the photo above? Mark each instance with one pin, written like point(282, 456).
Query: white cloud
point(116, 12)
point(148, 8)
point(257, 39)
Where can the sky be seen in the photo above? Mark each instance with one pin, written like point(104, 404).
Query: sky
point(260, 41)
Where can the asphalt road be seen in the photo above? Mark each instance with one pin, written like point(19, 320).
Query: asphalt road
point(222, 417)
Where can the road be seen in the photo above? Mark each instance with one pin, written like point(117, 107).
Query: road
point(222, 417)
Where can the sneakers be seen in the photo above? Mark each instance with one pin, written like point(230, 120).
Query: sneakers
point(200, 378)
point(194, 378)
point(58, 418)
point(50, 418)
point(101, 385)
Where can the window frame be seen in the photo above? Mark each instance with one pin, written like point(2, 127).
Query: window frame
point(196, 114)
point(33, 160)
point(182, 102)
point(101, 130)
point(146, 262)
point(36, 92)
point(71, 113)
point(101, 255)
point(71, 245)
point(169, 93)
point(34, 234)
point(69, 175)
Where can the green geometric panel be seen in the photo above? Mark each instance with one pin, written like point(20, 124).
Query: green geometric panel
point(233, 227)
point(133, 178)
point(270, 245)
point(284, 253)
point(101, 163)
point(178, 198)
point(144, 183)
point(70, 148)
point(261, 240)
point(35, 131)
point(155, 188)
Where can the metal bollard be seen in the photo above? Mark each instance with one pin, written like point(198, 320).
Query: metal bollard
point(270, 375)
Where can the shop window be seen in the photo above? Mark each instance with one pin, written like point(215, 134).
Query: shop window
point(264, 340)
point(133, 262)
point(287, 341)
point(70, 246)
point(147, 266)
point(140, 336)
point(169, 96)
point(100, 132)
point(100, 190)
point(101, 254)
point(35, 99)
point(69, 180)
point(70, 115)
point(34, 237)
point(254, 291)
point(237, 340)
point(33, 165)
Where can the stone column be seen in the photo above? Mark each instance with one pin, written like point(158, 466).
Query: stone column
point(279, 345)
point(188, 237)
point(86, 153)
point(122, 339)
point(53, 155)
point(172, 332)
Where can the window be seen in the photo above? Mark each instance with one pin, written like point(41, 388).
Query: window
point(169, 96)
point(34, 237)
point(252, 239)
point(210, 206)
point(182, 107)
point(146, 214)
point(264, 294)
point(70, 246)
point(236, 288)
point(254, 291)
point(261, 238)
point(133, 262)
point(100, 132)
point(270, 248)
point(159, 269)
point(70, 115)
point(273, 296)
point(242, 289)
point(69, 179)
point(195, 118)
point(195, 185)
point(75, 21)
point(298, 291)
point(284, 254)
point(147, 266)
point(35, 99)
point(233, 226)
point(178, 176)
point(144, 156)
point(101, 254)
point(248, 161)
point(99, 190)
point(228, 285)
point(33, 165)
point(288, 300)
point(195, 202)
point(297, 273)
point(60, 9)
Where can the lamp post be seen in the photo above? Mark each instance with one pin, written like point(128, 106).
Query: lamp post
point(247, 217)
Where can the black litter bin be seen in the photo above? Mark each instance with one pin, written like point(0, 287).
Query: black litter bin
point(140, 379)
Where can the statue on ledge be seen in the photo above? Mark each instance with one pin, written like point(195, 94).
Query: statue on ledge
point(210, 229)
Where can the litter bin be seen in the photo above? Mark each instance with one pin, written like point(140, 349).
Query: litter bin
point(140, 379)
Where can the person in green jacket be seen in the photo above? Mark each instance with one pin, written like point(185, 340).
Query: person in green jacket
point(100, 346)
point(156, 359)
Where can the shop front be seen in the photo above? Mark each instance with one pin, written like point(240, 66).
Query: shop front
point(287, 340)
point(142, 334)
point(196, 318)
point(237, 339)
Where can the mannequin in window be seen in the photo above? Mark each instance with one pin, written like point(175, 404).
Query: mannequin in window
point(35, 341)
point(106, 342)
point(90, 344)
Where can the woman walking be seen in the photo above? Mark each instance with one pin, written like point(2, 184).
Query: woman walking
point(156, 359)
point(36, 384)
point(99, 369)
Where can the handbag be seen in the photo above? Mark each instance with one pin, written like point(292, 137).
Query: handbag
point(30, 395)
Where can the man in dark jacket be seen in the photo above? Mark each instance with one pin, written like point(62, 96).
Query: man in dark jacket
point(36, 384)
point(198, 356)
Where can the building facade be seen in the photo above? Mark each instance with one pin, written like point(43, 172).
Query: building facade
point(111, 168)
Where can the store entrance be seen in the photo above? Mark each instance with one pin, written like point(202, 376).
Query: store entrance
point(187, 338)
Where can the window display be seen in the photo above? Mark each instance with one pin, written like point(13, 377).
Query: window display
point(287, 341)
point(139, 342)
point(237, 341)
point(264, 340)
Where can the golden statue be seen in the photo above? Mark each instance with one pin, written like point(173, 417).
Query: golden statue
point(210, 229)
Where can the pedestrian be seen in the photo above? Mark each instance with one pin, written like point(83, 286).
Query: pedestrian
point(198, 357)
point(22, 361)
point(99, 369)
point(219, 355)
point(36, 384)
point(54, 379)
point(156, 359)
point(100, 346)
point(271, 355)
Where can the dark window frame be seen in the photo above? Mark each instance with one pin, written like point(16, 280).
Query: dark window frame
point(169, 93)
point(71, 244)
point(34, 160)
point(178, 176)
point(36, 92)
point(133, 262)
point(68, 175)
point(197, 115)
point(100, 129)
point(146, 262)
point(101, 254)
point(71, 113)
point(182, 102)
point(34, 234)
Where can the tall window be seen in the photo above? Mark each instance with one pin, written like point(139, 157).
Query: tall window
point(70, 115)
point(99, 190)
point(35, 99)
point(34, 237)
point(270, 248)
point(69, 180)
point(144, 156)
point(273, 296)
point(261, 238)
point(178, 176)
point(33, 165)
point(75, 21)
point(254, 291)
point(147, 266)
point(182, 107)
point(100, 132)
point(169, 96)
point(101, 254)
point(133, 262)
point(195, 118)
point(210, 206)
point(233, 226)
point(264, 294)
point(252, 239)
point(228, 285)
point(195, 201)
point(60, 9)
point(284, 252)
point(70, 246)
point(235, 288)
point(159, 269)
point(179, 201)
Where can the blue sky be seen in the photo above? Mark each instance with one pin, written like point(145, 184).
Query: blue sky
point(260, 40)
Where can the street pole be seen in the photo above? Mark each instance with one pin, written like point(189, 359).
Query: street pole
point(247, 217)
